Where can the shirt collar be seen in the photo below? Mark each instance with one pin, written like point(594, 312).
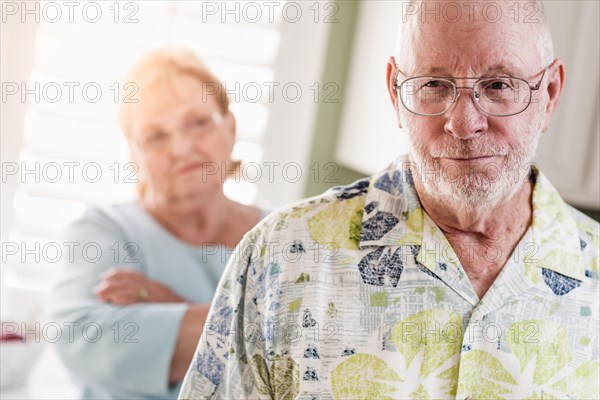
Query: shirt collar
point(391, 198)
point(393, 216)
point(554, 231)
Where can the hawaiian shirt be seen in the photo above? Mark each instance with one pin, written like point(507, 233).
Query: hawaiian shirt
point(357, 294)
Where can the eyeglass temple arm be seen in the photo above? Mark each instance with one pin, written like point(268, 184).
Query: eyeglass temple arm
point(537, 85)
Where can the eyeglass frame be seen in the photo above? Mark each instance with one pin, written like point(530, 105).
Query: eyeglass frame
point(216, 117)
point(532, 87)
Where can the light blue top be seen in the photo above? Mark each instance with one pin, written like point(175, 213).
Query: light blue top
point(118, 352)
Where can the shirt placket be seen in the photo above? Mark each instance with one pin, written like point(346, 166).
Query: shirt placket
point(509, 286)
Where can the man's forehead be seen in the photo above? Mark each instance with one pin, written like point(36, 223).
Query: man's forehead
point(451, 53)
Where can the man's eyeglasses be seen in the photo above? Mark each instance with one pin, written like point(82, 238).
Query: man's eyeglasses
point(195, 128)
point(501, 96)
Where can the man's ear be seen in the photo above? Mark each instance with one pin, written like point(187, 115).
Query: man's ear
point(392, 73)
point(556, 83)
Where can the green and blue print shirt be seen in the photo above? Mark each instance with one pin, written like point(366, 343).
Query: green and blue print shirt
point(357, 294)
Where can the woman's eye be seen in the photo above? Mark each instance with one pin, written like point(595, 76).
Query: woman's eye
point(200, 126)
point(201, 122)
point(157, 137)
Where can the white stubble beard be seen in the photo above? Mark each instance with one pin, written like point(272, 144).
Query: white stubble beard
point(475, 191)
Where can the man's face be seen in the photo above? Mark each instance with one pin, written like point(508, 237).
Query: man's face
point(479, 160)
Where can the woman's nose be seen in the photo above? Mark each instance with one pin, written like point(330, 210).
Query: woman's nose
point(180, 143)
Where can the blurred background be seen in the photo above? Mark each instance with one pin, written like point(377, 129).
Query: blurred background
point(307, 85)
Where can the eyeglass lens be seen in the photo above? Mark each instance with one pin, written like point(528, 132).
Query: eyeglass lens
point(496, 96)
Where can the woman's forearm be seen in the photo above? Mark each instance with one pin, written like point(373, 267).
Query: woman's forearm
point(187, 340)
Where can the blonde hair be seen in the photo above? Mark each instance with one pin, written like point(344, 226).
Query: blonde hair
point(161, 66)
point(158, 68)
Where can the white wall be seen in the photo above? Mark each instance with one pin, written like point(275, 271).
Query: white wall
point(569, 151)
point(370, 138)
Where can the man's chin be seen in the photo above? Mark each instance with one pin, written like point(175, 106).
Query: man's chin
point(474, 192)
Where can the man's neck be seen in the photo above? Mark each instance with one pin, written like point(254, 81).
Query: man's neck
point(513, 214)
point(484, 240)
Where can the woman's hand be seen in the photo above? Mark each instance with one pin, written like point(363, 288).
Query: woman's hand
point(125, 286)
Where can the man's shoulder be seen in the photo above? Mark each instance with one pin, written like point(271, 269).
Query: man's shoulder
point(588, 228)
point(563, 221)
point(588, 236)
point(339, 206)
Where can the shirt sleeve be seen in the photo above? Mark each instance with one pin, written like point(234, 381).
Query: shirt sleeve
point(121, 348)
point(230, 360)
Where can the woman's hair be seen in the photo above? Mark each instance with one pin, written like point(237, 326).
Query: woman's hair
point(157, 69)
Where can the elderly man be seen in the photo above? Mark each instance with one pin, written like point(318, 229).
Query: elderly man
point(458, 272)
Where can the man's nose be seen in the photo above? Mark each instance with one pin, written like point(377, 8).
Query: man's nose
point(464, 120)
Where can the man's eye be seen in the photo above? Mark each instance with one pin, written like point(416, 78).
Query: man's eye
point(498, 85)
point(433, 84)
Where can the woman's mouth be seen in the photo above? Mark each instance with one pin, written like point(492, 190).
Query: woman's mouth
point(189, 168)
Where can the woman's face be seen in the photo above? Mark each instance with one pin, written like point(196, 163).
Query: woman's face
point(181, 142)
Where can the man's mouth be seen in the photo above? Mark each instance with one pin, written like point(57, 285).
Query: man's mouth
point(472, 158)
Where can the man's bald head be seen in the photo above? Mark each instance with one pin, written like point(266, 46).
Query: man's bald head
point(524, 19)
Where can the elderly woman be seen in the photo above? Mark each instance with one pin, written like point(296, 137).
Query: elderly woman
point(132, 316)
